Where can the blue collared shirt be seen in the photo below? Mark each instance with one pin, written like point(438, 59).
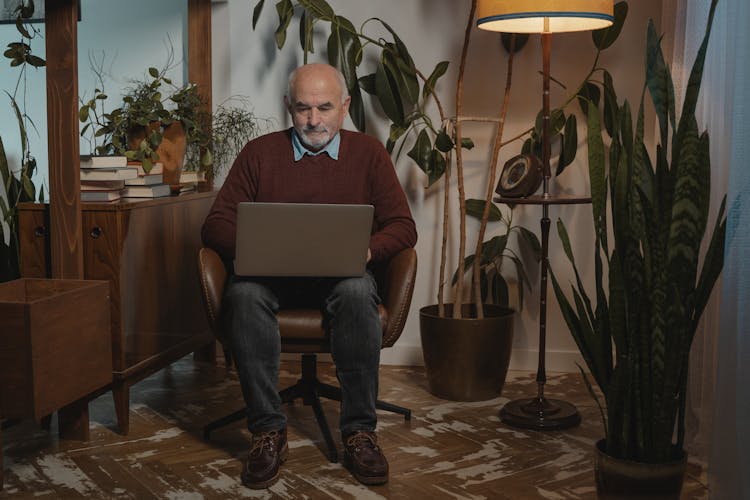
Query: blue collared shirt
point(332, 148)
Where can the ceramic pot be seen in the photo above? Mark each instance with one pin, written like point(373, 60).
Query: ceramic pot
point(171, 150)
point(172, 153)
point(621, 479)
point(466, 359)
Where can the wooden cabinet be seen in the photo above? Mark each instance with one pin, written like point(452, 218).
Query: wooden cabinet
point(147, 250)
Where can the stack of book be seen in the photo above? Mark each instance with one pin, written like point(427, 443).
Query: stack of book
point(109, 178)
point(103, 177)
point(189, 180)
point(146, 185)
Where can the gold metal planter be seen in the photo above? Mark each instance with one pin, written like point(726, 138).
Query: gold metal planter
point(466, 359)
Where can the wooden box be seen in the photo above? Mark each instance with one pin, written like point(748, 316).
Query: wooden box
point(55, 344)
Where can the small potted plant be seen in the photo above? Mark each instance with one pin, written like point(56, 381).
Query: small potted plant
point(220, 136)
point(151, 125)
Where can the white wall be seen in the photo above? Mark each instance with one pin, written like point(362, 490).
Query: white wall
point(433, 30)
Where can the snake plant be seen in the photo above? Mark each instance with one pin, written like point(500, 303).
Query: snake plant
point(651, 285)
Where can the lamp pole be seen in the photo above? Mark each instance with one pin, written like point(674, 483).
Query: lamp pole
point(545, 17)
point(542, 413)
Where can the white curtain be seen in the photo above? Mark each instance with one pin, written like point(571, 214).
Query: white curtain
point(719, 394)
point(730, 457)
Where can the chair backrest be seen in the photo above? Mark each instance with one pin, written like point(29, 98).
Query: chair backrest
point(301, 330)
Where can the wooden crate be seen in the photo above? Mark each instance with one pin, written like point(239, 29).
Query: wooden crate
point(55, 344)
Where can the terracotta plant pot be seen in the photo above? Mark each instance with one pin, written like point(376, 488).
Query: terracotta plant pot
point(466, 359)
point(171, 150)
point(172, 153)
point(621, 479)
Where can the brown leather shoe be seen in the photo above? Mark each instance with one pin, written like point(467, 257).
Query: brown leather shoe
point(267, 453)
point(364, 459)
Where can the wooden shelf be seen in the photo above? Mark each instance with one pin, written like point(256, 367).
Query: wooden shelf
point(550, 199)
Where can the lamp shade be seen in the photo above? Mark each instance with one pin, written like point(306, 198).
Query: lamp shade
point(529, 16)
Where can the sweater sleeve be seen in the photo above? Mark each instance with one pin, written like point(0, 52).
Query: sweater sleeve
point(394, 225)
point(220, 227)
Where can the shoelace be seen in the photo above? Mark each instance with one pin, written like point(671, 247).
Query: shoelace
point(362, 439)
point(264, 440)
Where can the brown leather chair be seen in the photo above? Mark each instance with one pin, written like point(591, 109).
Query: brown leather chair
point(302, 332)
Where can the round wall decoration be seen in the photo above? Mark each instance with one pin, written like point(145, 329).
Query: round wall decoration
point(521, 177)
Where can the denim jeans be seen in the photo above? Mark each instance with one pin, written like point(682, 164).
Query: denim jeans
point(350, 309)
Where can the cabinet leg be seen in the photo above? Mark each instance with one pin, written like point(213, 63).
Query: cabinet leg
point(46, 422)
point(121, 395)
point(206, 354)
point(1, 456)
point(73, 420)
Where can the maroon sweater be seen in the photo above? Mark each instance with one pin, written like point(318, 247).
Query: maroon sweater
point(265, 170)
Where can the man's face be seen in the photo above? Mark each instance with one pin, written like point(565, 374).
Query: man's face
point(316, 107)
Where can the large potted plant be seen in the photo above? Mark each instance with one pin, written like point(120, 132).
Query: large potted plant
point(651, 285)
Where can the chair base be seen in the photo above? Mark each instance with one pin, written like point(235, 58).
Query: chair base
point(310, 390)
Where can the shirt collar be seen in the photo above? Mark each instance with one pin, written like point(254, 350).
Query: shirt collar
point(332, 148)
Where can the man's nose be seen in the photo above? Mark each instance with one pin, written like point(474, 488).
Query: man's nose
point(313, 117)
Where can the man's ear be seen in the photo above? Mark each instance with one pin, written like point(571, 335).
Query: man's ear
point(347, 101)
point(287, 105)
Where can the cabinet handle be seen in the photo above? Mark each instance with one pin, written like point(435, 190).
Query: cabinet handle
point(39, 231)
point(95, 232)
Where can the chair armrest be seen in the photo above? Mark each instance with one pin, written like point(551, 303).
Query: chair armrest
point(213, 278)
point(400, 274)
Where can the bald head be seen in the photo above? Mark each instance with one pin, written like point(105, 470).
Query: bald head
point(316, 71)
point(318, 102)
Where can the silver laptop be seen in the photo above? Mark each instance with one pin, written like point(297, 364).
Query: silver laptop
point(302, 239)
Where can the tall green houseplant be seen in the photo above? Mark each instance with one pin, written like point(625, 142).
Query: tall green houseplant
point(650, 285)
point(17, 184)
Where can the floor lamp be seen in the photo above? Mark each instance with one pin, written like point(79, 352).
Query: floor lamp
point(545, 17)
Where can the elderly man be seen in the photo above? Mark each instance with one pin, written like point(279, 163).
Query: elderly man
point(313, 162)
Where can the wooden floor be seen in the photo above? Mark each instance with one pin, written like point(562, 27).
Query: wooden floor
point(448, 450)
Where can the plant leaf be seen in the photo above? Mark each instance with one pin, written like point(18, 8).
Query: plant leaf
point(507, 40)
point(443, 142)
point(343, 49)
point(421, 150)
point(475, 208)
point(500, 293)
point(431, 82)
point(659, 82)
point(569, 146)
point(256, 12)
point(530, 240)
point(387, 93)
point(605, 37)
point(436, 167)
point(597, 176)
point(306, 33)
point(589, 93)
point(319, 8)
point(285, 11)
point(610, 105)
point(367, 83)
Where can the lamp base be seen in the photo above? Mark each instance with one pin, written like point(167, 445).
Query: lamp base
point(540, 414)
